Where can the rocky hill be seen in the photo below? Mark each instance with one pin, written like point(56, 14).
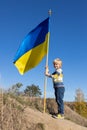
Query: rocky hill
point(17, 116)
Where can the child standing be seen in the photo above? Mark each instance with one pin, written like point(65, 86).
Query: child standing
point(57, 77)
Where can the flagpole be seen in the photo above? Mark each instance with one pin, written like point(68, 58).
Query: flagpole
point(45, 79)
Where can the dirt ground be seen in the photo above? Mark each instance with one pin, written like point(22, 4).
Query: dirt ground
point(45, 121)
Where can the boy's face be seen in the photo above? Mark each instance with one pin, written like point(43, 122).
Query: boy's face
point(57, 65)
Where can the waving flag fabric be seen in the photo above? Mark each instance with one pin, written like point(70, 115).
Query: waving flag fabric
point(33, 48)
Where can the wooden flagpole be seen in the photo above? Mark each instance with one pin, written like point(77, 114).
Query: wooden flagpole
point(45, 79)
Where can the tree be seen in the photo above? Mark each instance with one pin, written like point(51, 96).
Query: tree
point(33, 91)
point(80, 104)
point(79, 95)
point(15, 88)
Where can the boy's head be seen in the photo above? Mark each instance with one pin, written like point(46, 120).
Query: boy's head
point(57, 63)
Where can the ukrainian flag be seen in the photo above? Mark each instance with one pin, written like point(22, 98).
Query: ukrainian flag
point(33, 48)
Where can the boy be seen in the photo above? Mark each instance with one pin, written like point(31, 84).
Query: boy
point(57, 77)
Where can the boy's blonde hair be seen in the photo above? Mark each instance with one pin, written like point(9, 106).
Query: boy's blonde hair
point(57, 60)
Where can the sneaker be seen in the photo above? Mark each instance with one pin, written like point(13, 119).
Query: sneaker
point(59, 116)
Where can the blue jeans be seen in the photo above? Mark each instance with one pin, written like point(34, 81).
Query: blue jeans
point(59, 95)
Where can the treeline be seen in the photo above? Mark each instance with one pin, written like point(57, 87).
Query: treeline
point(30, 90)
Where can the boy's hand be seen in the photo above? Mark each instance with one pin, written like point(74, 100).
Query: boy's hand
point(47, 72)
point(47, 69)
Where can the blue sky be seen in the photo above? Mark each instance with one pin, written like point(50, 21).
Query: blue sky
point(68, 41)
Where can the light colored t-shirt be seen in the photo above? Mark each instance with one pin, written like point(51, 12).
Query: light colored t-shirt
point(57, 78)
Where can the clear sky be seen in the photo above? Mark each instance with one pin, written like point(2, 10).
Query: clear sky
point(68, 41)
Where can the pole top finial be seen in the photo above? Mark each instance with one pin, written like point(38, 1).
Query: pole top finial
point(50, 12)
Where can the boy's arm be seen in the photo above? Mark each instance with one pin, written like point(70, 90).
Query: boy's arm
point(47, 72)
